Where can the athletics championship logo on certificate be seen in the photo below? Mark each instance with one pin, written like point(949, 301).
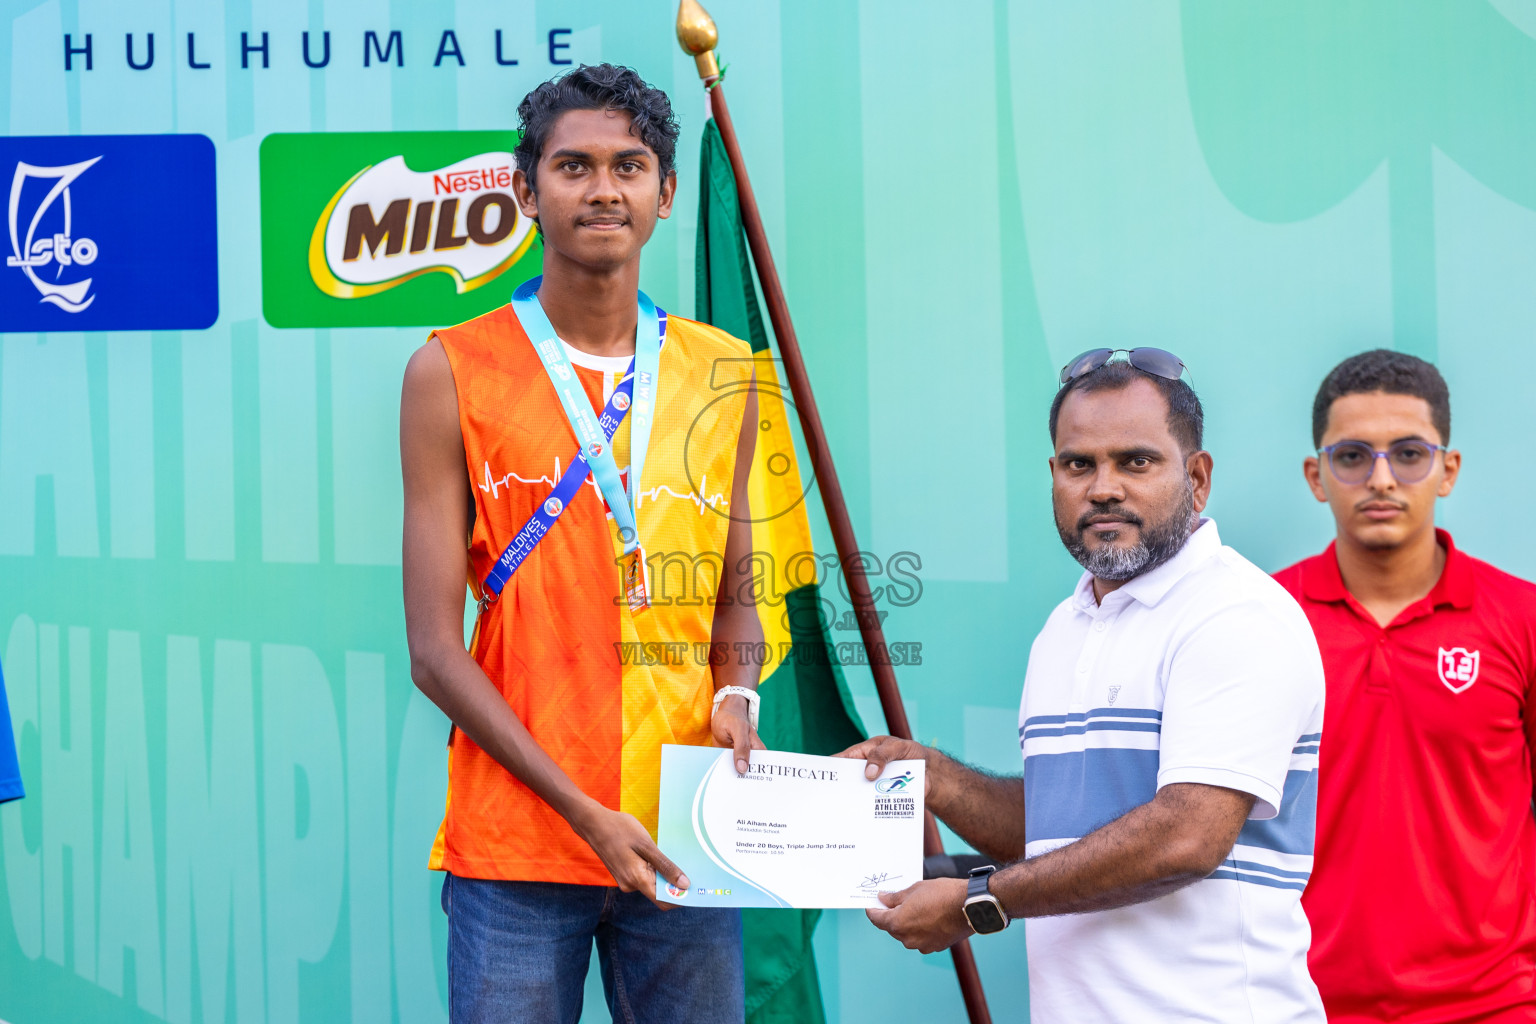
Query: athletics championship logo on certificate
point(390, 228)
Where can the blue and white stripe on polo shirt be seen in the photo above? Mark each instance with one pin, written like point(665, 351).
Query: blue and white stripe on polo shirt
point(1087, 768)
point(1278, 852)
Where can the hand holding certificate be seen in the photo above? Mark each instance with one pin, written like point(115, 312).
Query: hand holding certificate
point(795, 830)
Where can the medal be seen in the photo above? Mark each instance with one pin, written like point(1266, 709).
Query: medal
point(636, 593)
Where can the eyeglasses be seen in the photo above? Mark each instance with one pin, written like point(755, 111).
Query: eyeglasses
point(1353, 462)
point(1155, 361)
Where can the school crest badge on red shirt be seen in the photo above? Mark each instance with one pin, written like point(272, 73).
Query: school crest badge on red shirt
point(1458, 668)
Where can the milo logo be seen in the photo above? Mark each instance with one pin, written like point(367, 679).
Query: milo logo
point(390, 224)
point(390, 228)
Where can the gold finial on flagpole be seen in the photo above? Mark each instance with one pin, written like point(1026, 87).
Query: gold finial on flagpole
point(696, 32)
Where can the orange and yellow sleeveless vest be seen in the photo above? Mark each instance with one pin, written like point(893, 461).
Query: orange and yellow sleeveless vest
point(559, 643)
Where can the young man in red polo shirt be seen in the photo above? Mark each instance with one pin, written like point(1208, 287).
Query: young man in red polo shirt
point(1423, 893)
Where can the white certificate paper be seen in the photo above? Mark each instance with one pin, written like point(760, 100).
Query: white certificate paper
point(796, 830)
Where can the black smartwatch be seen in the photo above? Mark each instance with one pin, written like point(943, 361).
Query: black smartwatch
point(981, 908)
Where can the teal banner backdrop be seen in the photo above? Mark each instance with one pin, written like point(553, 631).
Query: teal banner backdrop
point(232, 784)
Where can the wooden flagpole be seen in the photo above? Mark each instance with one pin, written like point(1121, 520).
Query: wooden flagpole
point(698, 36)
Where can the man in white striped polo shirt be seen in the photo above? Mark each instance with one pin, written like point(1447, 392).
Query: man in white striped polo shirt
point(1161, 835)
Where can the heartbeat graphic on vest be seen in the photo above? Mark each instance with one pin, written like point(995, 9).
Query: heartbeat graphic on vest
point(717, 502)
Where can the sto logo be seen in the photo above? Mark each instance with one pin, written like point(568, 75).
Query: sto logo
point(1458, 668)
point(79, 209)
point(31, 253)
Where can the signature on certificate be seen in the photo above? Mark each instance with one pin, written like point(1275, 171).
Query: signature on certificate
point(878, 882)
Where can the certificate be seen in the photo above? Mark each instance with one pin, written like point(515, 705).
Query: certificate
point(796, 830)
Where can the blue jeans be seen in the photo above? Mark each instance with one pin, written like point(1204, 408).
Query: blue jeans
point(519, 951)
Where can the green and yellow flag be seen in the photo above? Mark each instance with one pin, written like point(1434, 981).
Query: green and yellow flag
point(806, 706)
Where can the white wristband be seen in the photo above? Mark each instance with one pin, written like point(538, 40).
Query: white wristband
point(752, 701)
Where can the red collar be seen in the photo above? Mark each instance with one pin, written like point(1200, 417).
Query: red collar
point(1321, 581)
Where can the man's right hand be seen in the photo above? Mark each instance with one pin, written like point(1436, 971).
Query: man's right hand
point(880, 751)
point(626, 850)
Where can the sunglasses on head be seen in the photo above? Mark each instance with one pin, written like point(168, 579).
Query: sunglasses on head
point(1156, 361)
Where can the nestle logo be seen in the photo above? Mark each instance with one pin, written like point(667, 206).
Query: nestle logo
point(472, 181)
point(389, 224)
point(400, 227)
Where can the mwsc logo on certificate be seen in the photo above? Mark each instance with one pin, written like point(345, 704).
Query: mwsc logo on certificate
point(390, 228)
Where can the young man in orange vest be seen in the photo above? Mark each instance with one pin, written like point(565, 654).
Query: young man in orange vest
point(1423, 895)
point(549, 834)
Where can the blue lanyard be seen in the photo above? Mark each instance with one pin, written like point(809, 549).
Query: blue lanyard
point(636, 392)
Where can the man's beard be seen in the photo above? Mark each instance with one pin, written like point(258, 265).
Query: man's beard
point(1156, 544)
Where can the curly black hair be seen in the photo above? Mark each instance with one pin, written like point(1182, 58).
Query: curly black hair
point(597, 87)
point(1381, 369)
